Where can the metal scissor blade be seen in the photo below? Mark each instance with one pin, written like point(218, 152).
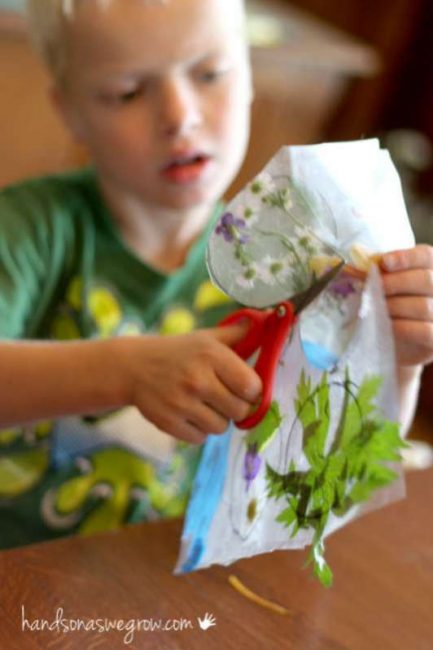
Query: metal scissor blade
point(303, 299)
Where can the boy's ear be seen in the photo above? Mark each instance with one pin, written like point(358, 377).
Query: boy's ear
point(67, 113)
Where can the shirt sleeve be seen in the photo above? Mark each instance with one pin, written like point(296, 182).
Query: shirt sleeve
point(34, 249)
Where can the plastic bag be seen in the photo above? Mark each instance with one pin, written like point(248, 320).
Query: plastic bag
point(328, 448)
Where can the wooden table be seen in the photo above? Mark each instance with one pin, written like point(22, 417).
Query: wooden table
point(382, 598)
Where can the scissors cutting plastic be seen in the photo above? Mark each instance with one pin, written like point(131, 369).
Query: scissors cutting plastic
point(268, 333)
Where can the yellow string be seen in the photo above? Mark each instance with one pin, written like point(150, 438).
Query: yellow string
point(237, 584)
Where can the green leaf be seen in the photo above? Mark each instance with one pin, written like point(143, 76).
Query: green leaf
point(303, 390)
point(379, 442)
point(263, 433)
point(321, 568)
point(281, 485)
point(350, 421)
point(356, 465)
point(313, 413)
point(323, 497)
point(376, 477)
point(360, 408)
point(287, 516)
point(324, 574)
point(367, 392)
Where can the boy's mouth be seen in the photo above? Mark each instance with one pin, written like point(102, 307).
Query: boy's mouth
point(186, 168)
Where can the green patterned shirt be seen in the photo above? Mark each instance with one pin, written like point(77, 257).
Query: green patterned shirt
point(66, 274)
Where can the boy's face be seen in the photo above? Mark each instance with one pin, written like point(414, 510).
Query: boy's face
point(160, 94)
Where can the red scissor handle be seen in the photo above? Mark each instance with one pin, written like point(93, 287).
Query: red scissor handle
point(268, 332)
point(254, 337)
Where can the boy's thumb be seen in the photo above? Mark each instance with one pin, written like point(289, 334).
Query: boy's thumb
point(232, 334)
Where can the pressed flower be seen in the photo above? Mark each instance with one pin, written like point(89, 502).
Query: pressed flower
point(250, 215)
point(287, 199)
point(252, 464)
point(342, 288)
point(274, 269)
point(248, 278)
point(262, 184)
point(230, 228)
point(248, 212)
point(301, 232)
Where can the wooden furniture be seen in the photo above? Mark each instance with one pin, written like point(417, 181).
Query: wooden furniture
point(382, 596)
point(300, 79)
point(391, 27)
point(33, 141)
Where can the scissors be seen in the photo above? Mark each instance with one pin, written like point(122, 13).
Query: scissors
point(268, 333)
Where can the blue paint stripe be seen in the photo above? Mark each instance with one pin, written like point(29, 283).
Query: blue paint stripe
point(206, 494)
point(318, 356)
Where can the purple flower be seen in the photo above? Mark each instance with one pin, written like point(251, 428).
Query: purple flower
point(230, 226)
point(342, 288)
point(252, 463)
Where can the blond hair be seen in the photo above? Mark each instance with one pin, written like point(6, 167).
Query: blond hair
point(48, 21)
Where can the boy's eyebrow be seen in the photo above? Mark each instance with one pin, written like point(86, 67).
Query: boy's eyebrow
point(209, 55)
point(149, 72)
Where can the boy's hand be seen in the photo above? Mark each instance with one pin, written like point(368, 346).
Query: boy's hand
point(190, 385)
point(408, 283)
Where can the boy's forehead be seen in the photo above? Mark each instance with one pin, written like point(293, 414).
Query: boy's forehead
point(119, 31)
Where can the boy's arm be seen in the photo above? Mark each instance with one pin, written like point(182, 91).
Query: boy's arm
point(408, 284)
point(41, 380)
point(188, 386)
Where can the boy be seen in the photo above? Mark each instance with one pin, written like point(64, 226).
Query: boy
point(160, 93)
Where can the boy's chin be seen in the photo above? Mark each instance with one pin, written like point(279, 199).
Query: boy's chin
point(185, 208)
point(189, 200)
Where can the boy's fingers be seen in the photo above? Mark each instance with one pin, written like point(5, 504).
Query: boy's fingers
point(189, 432)
point(208, 420)
point(417, 257)
point(231, 334)
point(227, 404)
point(231, 370)
point(415, 282)
point(411, 307)
point(414, 332)
point(237, 376)
point(180, 428)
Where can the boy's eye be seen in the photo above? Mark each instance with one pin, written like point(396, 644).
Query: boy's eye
point(128, 96)
point(211, 75)
point(117, 98)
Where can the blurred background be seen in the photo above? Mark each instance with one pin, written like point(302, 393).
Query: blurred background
point(324, 70)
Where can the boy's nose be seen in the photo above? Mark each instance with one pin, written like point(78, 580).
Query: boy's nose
point(180, 110)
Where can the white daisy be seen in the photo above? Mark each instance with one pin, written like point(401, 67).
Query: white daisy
point(301, 232)
point(248, 278)
point(249, 212)
point(274, 269)
point(262, 184)
point(288, 199)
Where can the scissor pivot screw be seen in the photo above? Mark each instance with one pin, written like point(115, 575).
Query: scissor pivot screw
point(281, 311)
